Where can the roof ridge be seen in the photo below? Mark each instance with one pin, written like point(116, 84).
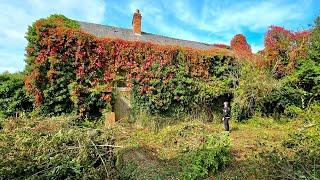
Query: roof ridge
point(104, 25)
point(102, 30)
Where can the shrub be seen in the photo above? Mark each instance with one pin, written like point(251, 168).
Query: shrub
point(214, 155)
point(298, 90)
point(13, 98)
point(301, 158)
point(292, 111)
point(254, 85)
point(314, 51)
point(283, 48)
point(302, 87)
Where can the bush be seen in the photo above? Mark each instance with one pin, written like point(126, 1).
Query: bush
point(54, 149)
point(299, 90)
point(301, 158)
point(302, 87)
point(292, 111)
point(13, 98)
point(254, 84)
point(214, 155)
point(283, 48)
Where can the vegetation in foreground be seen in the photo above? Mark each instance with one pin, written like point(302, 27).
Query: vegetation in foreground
point(259, 148)
point(54, 148)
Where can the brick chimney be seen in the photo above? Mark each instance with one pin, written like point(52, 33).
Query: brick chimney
point(136, 22)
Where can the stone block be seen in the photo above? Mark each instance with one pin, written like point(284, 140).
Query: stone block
point(110, 117)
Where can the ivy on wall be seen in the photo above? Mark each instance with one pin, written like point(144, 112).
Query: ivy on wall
point(69, 70)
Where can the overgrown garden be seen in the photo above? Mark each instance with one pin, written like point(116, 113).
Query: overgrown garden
point(73, 74)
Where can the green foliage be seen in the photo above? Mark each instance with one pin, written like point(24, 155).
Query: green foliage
point(214, 155)
point(254, 84)
point(87, 106)
point(54, 149)
point(56, 97)
point(303, 145)
point(33, 35)
point(314, 50)
point(292, 111)
point(171, 96)
point(176, 91)
point(302, 86)
point(13, 98)
point(307, 80)
point(299, 89)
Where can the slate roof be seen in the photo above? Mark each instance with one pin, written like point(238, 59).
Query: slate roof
point(127, 34)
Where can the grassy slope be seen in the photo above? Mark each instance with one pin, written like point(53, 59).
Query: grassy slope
point(249, 140)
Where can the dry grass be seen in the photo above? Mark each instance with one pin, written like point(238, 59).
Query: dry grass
point(249, 139)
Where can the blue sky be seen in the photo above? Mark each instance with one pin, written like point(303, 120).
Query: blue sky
point(211, 21)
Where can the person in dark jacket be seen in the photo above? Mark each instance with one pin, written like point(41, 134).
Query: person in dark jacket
point(226, 115)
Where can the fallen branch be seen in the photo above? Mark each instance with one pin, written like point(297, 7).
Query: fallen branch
point(104, 145)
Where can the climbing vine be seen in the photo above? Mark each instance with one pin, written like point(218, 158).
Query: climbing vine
point(69, 70)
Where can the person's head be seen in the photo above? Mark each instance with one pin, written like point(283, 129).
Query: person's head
point(225, 104)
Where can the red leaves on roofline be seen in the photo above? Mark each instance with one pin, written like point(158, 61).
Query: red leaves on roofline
point(223, 46)
point(92, 65)
point(239, 43)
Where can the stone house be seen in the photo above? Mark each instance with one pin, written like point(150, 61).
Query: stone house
point(122, 104)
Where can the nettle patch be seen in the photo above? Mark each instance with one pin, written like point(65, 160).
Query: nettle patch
point(69, 70)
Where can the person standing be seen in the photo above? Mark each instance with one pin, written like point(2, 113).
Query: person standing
point(226, 115)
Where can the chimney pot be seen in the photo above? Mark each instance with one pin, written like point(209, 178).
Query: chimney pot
point(136, 22)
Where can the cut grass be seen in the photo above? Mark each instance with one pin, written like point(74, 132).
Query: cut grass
point(249, 140)
point(53, 148)
point(153, 153)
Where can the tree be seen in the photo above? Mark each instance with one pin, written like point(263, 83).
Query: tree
point(283, 48)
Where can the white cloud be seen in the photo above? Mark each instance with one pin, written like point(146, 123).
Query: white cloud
point(154, 13)
point(11, 62)
point(16, 16)
point(9, 69)
point(223, 19)
point(254, 15)
point(255, 48)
